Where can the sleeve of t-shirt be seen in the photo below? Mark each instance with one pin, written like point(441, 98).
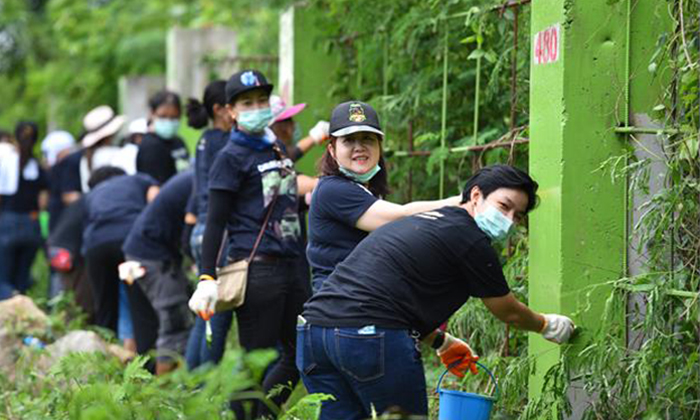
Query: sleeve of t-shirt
point(145, 181)
point(343, 200)
point(225, 173)
point(483, 271)
point(192, 201)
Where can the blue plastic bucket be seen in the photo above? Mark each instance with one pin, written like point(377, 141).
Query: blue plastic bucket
point(458, 405)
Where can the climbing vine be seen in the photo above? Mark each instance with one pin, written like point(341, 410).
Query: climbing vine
point(645, 367)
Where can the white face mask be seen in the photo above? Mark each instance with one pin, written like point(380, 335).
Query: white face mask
point(165, 127)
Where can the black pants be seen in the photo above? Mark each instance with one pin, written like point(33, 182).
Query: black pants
point(275, 295)
point(103, 273)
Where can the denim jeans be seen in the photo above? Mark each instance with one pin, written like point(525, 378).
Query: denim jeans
point(198, 352)
point(20, 238)
point(362, 368)
point(125, 326)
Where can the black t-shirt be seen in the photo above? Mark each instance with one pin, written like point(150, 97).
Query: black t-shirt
point(336, 205)
point(209, 145)
point(161, 158)
point(413, 273)
point(253, 176)
point(32, 180)
point(67, 173)
point(55, 205)
point(112, 208)
point(156, 232)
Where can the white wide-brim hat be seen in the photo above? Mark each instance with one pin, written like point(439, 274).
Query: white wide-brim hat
point(99, 123)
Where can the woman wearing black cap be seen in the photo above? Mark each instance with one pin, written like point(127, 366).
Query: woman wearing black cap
point(347, 203)
point(249, 175)
point(162, 153)
point(212, 107)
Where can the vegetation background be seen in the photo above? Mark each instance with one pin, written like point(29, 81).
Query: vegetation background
point(60, 58)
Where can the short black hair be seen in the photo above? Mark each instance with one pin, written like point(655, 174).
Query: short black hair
point(164, 97)
point(493, 177)
point(102, 174)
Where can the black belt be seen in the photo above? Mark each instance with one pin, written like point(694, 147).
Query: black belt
point(267, 259)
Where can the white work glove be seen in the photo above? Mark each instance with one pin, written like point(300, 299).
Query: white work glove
point(320, 132)
point(203, 301)
point(129, 271)
point(557, 328)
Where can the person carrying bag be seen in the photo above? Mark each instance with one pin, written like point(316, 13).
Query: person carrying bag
point(253, 196)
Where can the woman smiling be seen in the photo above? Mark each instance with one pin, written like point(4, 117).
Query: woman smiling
point(348, 201)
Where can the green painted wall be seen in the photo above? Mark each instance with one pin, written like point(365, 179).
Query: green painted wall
point(313, 77)
point(577, 235)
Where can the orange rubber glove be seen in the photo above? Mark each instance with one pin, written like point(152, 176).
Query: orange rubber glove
point(457, 356)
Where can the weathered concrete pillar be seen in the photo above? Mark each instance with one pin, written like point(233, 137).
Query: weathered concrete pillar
point(305, 72)
point(134, 92)
point(194, 56)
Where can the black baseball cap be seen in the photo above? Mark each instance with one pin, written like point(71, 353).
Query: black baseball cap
point(353, 117)
point(246, 80)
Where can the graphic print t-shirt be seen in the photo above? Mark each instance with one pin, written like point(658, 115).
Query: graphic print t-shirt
point(253, 176)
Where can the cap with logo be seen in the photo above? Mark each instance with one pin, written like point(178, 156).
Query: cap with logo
point(244, 81)
point(353, 117)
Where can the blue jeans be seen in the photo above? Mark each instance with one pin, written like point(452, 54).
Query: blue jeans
point(361, 368)
point(20, 238)
point(198, 352)
point(125, 326)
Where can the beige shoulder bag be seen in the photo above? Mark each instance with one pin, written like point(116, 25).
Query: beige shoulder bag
point(233, 279)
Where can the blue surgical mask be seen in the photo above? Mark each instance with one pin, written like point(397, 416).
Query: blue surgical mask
point(493, 223)
point(165, 127)
point(254, 121)
point(361, 178)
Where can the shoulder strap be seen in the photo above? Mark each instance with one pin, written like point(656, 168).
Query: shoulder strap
point(264, 224)
point(280, 155)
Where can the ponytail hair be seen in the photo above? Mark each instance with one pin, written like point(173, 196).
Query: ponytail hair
point(198, 113)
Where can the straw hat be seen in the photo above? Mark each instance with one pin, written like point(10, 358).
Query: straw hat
point(99, 123)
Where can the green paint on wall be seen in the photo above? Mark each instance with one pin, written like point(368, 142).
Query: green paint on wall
point(577, 235)
point(314, 67)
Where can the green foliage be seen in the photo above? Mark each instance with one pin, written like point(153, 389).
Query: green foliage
point(392, 57)
point(95, 386)
point(61, 58)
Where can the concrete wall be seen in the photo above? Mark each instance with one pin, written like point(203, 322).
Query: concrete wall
point(306, 72)
point(134, 92)
point(191, 54)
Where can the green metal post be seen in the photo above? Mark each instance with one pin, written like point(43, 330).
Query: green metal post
point(577, 235)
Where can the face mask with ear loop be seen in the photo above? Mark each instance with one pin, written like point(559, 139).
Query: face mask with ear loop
point(361, 178)
point(493, 223)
